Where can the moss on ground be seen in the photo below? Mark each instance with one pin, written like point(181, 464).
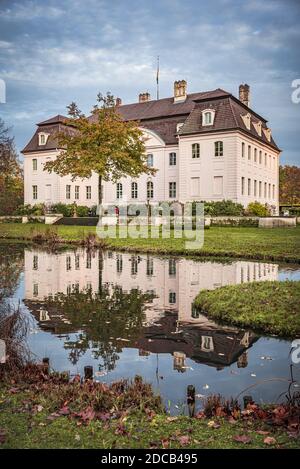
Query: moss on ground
point(269, 306)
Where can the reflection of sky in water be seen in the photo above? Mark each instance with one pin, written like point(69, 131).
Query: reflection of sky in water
point(158, 368)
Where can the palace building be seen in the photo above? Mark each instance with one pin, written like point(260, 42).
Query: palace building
point(206, 146)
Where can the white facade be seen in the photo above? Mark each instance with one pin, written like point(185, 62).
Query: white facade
point(174, 282)
point(43, 187)
point(242, 179)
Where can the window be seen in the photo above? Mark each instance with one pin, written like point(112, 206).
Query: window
point(172, 159)
point(243, 150)
point(249, 186)
point(172, 297)
point(269, 191)
point(249, 152)
point(68, 191)
point(207, 118)
point(196, 150)
point(119, 263)
point(88, 192)
point(89, 260)
point(34, 192)
point(265, 159)
point(265, 190)
point(273, 192)
point(259, 188)
point(150, 160)
point(77, 262)
point(218, 185)
point(150, 191)
point(134, 190)
point(149, 267)
point(255, 187)
point(219, 148)
point(34, 164)
point(172, 190)
point(76, 192)
point(172, 267)
point(35, 262)
point(243, 186)
point(68, 263)
point(134, 265)
point(42, 139)
point(35, 289)
point(270, 161)
point(260, 156)
point(207, 344)
point(255, 155)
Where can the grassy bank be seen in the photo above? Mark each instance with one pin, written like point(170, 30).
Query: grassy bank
point(278, 244)
point(272, 307)
point(35, 416)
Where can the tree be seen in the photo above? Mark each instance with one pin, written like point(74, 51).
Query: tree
point(289, 185)
point(11, 177)
point(103, 143)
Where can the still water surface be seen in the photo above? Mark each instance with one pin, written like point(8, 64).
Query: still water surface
point(133, 314)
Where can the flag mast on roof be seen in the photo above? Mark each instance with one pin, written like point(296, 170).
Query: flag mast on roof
point(157, 79)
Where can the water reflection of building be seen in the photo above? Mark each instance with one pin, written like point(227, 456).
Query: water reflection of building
point(174, 282)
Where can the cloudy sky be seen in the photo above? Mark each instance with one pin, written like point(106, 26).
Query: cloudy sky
point(53, 52)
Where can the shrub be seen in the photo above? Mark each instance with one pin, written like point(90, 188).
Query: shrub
point(257, 209)
point(67, 210)
point(37, 209)
point(221, 208)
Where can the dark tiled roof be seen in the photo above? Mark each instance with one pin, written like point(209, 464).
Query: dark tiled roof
point(54, 120)
point(163, 115)
point(228, 115)
point(51, 143)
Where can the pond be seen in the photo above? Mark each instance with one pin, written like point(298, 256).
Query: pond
point(128, 314)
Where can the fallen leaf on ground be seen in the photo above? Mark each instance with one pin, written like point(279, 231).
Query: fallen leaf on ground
point(262, 432)
point(269, 440)
point(242, 439)
point(184, 440)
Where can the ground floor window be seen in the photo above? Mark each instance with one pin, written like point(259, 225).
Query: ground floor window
point(88, 192)
point(68, 191)
point(150, 190)
point(119, 190)
point(34, 192)
point(76, 192)
point(172, 190)
point(134, 190)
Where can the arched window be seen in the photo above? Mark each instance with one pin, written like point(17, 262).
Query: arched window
point(196, 150)
point(150, 192)
point(207, 118)
point(119, 190)
point(149, 160)
point(219, 148)
point(134, 190)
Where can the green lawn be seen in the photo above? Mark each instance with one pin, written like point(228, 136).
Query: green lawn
point(278, 244)
point(26, 424)
point(273, 307)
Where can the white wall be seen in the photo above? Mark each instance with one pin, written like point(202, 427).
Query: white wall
point(51, 183)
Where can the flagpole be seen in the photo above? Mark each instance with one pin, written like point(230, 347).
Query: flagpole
point(157, 79)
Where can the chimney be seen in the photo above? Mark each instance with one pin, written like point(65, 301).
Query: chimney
point(144, 97)
point(118, 102)
point(244, 94)
point(179, 91)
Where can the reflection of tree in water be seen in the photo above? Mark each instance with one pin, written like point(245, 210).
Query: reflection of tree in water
point(11, 265)
point(106, 320)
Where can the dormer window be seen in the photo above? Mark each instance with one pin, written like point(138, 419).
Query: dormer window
point(257, 126)
point(267, 133)
point(43, 138)
point(208, 116)
point(178, 126)
point(247, 120)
